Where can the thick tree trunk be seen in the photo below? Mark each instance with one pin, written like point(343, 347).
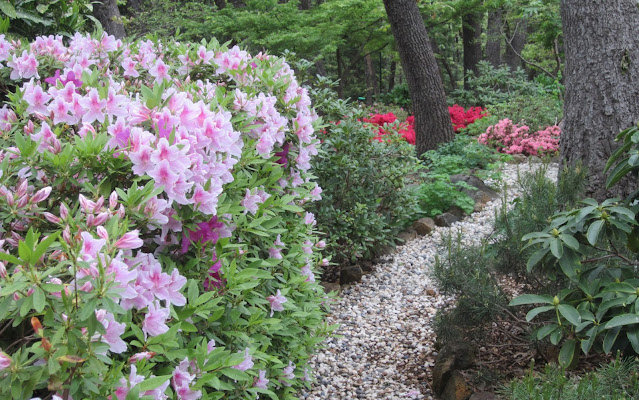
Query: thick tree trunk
point(221, 4)
point(372, 88)
point(602, 84)
point(516, 37)
point(471, 40)
point(391, 77)
point(106, 11)
point(432, 121)
point(494, 38)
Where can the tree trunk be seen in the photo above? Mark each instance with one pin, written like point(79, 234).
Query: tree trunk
point(444, 62)
point(372, 88)
point(221, 4)
point(340, 74)
point(471, 41)
point(432, 121)
point(391, 77)
point(494, 39)
point(106, 11)
point(305, 5)
point(602, 84)
point(238, 3)
point(515, 41)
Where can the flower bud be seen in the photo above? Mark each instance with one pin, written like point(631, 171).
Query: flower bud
point(98, 204)
point(100, 314)
point(90, 219)
point(46, 345)
point(10, 199)
point(51, 218)
point(129, 240)
point(22, 188)
point(321, 244)
point(3, 271)
point(36, 325)
point(64, 211)
point(66, 235)
point(324, 262)
point(103, 233)
point(121, 212)
point(41, 194)
point(5, 360)
point(22, 201)
point(100, 219)
point(113, 200)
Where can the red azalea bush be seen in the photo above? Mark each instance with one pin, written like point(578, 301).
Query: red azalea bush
point(461, 118)
point(510, 138)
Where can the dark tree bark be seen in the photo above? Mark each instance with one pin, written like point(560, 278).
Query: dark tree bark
point(238, 3)
point(305, 5)
point(340, 73)
point(602, 84)
point(432, 121)
point(444, 62)
point(516, 37)
point(372, 88)
point(471, 41)
point(221, 4)
point(106, 11)
point(494, 38)
point(391, 77)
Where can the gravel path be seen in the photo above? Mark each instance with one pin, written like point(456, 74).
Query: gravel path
point(386, 348)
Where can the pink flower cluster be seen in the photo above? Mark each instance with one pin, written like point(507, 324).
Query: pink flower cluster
point(510, 138)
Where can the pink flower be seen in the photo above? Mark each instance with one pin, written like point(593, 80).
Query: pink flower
point(160, 71)
point(93, 107)
point(91, 246)
point(129, 68)
point(309, 219)
point(129, 240)
point(114, 331)
point(247, 363)
point(276, 302)
point(145, 355)
point(155, 321)
point(5, 360)
point(36, 98)
point(261, 381)
point(288, 373)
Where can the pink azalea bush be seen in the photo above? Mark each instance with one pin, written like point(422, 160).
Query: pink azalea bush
point(510, 138)
point(151, 222)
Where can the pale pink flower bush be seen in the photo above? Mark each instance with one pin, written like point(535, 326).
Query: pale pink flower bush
point(510, 138)
point(150, 219)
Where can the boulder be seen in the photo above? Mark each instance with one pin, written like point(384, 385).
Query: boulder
point(456, 388)
point(518, 159)
point(350, 274)
point(424, 226)
point(407, 235)
point(331, 287)
point(446, 219)
point(452, 357)
point(367, 266)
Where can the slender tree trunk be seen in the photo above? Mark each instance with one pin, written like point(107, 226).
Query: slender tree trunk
point(221, 4)
point(391, 77)
point(372, 88)
point(340, 74)
point(432, 121)
point(602, 84)
point(320, 68)
point(515, 41)
point(494, 38)
point(238, 3)
point(444, 63)
point(471, 36)
point(106, 11)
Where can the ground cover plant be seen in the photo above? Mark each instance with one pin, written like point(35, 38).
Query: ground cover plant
point(154, 242)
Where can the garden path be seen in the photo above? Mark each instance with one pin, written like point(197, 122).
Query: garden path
point(385, 348)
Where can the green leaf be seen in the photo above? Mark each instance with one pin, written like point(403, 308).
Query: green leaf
point(43, 246)
point(10, 258)
point(546, 330)
point(609, 340)
point(622, 320)
point(152, 383)
point(134, 393)
point(8, 9)
point(536, 257)
point(570, 313)
point(536, 311)
point(570, 241)
point(530, 299)
point(567, 353)
point(556, 248)
point(235, 374)
point(633, 338)
point(593, 231)
point(39, 299)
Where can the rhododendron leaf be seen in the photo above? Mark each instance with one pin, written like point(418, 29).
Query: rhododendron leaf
point(44, 246)
point(11, 259)
point(134, 393)
point(39, 299)
point(235, 374)
point(154, 382)
point(8, 9)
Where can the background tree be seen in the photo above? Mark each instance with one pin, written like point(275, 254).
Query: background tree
point(602, 83)
point(432, 121)
point(107, 12)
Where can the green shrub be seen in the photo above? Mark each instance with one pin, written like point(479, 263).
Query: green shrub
point(45, 17)
point(465, 272)
point(399, 96)
point(365, 200)
point(536, 111)
point(614, 381)
point(440, 194)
